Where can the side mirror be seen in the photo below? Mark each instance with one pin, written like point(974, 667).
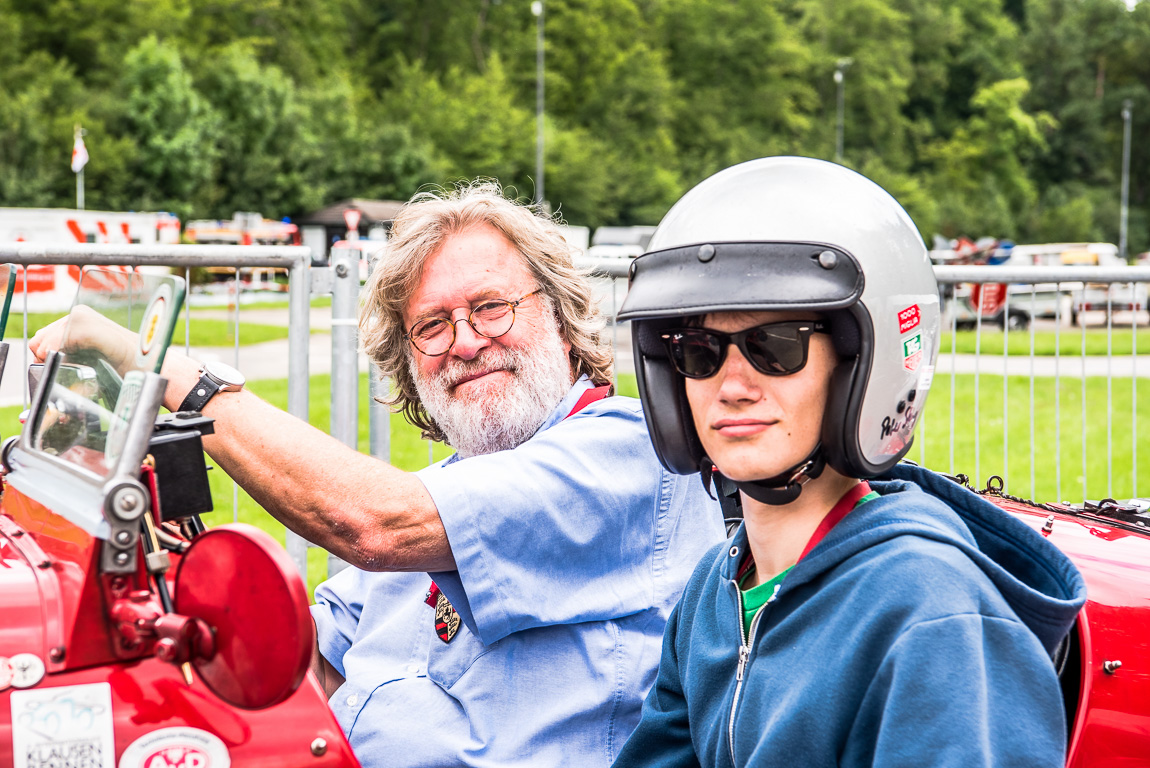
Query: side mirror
point(99, 381)
point(242, 583)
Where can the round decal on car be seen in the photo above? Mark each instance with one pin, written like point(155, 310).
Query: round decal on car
point(176, 748)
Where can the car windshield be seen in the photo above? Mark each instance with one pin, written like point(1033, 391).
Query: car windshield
point(85, 413)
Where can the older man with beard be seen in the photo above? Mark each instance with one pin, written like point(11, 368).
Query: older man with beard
point(506, 606)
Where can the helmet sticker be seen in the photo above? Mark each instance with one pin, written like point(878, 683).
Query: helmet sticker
point(64, 725)
point(909, 318)
point(926, 378)
point(899, 427)
point(912, 352)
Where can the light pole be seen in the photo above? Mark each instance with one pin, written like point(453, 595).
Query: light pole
point(537, 10)
point(1127, 114)
point(841, 66)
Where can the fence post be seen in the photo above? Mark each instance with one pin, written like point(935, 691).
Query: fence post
point(299, 337)
point(378, 414)
point(344, 358)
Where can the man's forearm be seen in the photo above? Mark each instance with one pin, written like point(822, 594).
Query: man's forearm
point(363, 510)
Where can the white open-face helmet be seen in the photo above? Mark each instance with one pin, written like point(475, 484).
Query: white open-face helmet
point(794, 234)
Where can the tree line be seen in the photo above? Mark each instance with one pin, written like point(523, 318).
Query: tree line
point(984, 117)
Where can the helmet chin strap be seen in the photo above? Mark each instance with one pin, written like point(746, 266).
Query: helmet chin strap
point(784, 487)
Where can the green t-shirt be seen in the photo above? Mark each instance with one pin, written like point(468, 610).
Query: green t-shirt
point(756, 597)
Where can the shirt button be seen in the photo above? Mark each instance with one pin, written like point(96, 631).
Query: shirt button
point(413, 668)
point(352, 700)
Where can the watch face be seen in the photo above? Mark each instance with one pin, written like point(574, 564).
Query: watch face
point(224, 374)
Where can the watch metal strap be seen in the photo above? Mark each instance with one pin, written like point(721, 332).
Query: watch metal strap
point(204, 390)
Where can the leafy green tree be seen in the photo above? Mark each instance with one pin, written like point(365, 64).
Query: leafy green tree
point(1085, 57)
point(871, 36)
point(580, 180)
point(362, 151)
point(306, 39)
point(41, 100)
point(262, 144)
point(979, 174)
point(95, 35)
point(11, 29)
point(742, 75)
point(471, 120)
point(172, 129)
point(439, 35)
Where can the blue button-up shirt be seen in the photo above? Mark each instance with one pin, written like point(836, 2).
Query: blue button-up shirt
point(571, 551)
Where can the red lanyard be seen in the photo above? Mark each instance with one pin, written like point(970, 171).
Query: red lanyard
point(837, 513)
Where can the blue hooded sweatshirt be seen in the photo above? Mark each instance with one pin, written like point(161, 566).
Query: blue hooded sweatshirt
point(917, 633)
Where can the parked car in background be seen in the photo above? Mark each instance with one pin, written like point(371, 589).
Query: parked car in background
point(1015, 305)
point(1089, 297)
point(620, 242)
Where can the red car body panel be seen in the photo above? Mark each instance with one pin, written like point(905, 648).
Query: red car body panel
point(1111, 718)
point(55, 605)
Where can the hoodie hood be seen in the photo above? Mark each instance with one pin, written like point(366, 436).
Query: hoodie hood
point(1039, 582)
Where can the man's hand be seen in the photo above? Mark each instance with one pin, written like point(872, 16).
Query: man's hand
point(365, 511)
point(86, 329)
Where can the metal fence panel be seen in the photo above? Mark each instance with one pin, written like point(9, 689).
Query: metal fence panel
point(1054, 426)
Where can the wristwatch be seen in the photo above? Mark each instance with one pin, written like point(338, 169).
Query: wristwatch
point(214, 377)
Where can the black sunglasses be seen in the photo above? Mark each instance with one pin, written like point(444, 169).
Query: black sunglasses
point(775, 349)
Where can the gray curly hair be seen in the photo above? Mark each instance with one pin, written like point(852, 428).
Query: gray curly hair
point(420, 230)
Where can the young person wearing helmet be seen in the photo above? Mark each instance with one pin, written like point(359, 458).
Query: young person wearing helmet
point(866, 612)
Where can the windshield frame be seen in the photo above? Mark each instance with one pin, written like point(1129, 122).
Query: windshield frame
point(71, 498)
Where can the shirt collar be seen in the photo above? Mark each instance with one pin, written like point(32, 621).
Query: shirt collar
point(566, 404)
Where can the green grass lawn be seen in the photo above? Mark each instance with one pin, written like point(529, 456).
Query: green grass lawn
point(206, 332)
point(1057, 456)
point(316, 301)
point(1069, 341)
point(933, 445)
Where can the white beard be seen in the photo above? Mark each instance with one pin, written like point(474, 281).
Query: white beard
point(498, 417)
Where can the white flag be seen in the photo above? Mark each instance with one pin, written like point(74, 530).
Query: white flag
point(79, 155)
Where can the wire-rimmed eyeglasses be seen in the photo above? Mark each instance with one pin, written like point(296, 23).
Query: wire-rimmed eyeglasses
point(434, 336)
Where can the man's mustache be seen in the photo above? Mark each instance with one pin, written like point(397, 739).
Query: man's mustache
point(460, 371)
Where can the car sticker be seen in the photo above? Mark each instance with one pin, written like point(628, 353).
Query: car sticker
point(26, 669)
point(181, 747)
point(62, 726)
point(154, 327)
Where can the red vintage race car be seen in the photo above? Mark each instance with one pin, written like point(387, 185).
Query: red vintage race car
point(1104, 663)
point(131, 636)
